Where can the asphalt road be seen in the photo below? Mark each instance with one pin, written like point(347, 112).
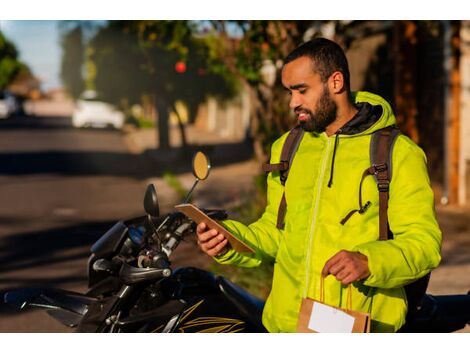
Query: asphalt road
point(60, 189)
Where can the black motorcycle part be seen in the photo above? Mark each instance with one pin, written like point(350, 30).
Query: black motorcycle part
point(95, 319)
point(440, 314)
point(151, 202)
point(146, 320)
point(106, 247)
point(105, 287)
point(131, 275)
point(110, 242)
point(250, 307)
point(66, 306)
point(191, 300)
point(216, 214)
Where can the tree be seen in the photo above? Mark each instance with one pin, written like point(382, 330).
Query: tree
point(261, 47)
point(73, 54)
point(161, 60)
point(10, 66)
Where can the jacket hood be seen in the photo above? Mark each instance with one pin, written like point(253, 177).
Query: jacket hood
point(374, 113)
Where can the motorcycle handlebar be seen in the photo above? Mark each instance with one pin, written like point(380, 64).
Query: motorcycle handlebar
point(131, 275)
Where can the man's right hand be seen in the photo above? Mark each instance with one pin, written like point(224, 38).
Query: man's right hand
point(211, 242)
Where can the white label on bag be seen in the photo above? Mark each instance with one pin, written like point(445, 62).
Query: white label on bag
point(329, 319)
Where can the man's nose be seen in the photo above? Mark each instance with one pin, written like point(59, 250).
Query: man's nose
point(294, 102)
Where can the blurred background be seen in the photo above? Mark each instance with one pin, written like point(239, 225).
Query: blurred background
point(93, 111)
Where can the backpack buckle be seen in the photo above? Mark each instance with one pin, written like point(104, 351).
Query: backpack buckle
point(380, 168)
point(284, 167)
point(383, 185)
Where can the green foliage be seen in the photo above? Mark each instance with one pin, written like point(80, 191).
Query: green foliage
point(72, 61)
point(262, 42)
point(174, 183)
point(10, 66)
point(140, 122)
point(135, 58)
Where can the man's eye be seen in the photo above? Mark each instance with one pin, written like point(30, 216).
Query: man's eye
point(302, 91)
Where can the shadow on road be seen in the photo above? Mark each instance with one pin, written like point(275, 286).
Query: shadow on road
point(35, 122)
point(151, 163)
point(81, 163)
point(53, 248)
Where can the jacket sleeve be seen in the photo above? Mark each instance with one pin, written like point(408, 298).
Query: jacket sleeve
point(415, 249)
point(262, 235)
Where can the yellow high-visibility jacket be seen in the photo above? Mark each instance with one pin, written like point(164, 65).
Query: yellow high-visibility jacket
point(312, 233)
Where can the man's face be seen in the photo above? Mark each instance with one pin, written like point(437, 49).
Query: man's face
point(310, 97)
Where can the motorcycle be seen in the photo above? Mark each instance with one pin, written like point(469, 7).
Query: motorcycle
point(133, 287)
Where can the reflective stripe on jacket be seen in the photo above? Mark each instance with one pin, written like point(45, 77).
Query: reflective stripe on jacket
point(313, 233)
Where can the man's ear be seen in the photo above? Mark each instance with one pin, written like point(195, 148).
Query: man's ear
point(336, 82)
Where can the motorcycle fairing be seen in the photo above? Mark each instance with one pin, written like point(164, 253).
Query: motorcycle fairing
point(66, 306)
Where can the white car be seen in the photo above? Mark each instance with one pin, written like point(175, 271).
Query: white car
point(90, 112)
point(8, 105)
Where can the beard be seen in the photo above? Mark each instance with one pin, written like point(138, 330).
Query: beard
point(324, 116)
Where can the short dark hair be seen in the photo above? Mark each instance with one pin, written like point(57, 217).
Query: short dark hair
point(327, 57)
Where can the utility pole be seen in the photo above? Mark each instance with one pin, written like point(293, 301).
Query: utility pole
point(452, 90)
point(464, 111)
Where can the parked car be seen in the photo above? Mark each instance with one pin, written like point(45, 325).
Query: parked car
point(8, 104)
point(90, 112)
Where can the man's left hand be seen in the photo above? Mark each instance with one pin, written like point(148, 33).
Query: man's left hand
point(347, 267)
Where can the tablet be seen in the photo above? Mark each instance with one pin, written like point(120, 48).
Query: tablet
point(198, 216)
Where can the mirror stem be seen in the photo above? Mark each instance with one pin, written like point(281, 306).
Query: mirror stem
point(191, 191)
point(152, 225)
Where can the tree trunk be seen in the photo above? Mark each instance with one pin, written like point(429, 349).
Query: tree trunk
point(405, 40)
point(162, 126)
point(184, 142)
point(453, 112)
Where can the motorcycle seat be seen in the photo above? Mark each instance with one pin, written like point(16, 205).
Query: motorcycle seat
point(251, 307)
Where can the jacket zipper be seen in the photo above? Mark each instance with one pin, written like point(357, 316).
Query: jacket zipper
point(315, 212)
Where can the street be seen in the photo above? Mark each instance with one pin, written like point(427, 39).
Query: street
point(60, 189)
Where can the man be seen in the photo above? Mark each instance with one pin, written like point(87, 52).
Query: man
point(322, 189)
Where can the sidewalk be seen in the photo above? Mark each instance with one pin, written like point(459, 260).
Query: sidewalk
point(232, 171)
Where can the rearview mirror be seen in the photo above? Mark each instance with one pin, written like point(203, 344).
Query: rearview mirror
point(201, 166)
point(151, 201)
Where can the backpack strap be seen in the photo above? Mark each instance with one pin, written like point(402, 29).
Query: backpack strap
point(381, 150)
point(289, 148)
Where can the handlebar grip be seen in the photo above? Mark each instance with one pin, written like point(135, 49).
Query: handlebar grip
point(130, 275)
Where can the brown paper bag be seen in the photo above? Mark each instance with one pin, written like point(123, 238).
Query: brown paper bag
point(316, 316)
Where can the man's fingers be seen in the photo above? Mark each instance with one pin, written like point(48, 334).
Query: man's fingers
point(201, 227)
point(218, 248)
point(331, 262)
point(337, 267)
point(342, 274)
point(350, 278)
point(211, 244)
point(207, 236)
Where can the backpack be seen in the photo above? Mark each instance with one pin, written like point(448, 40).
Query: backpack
point(381, 150)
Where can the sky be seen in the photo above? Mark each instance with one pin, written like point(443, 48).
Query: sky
point(38, 43)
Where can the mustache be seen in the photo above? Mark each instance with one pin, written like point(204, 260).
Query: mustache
point(302, 110)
